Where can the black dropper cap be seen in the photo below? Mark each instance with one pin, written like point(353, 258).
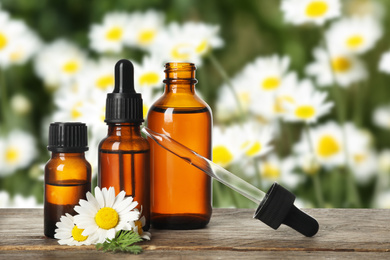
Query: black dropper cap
point(278, 208)
point(68, 137)
point(124, 105)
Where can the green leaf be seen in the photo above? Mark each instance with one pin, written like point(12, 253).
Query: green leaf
point(123, 242)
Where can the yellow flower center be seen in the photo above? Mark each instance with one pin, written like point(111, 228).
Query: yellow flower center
point(146, 36)
point(107, 218)
point(71, 66)
point(149, 78)
point(328, 146)
point(203, 47)
point(145, 109)
point(138, 224)
point(341, 64)
point(305, 112)
point(270, 171)
point(3, 41)
point(114, 34)
point(355, 41)
point(316, 9)
point(359, 158)
point(222, 155)
point(76, 234)
point(244, 97)
point(75, 111)
point(270, 83)
point(105, 81)
point(278, 106)
point(16, 55)
point(12, 155)
point(179, 52)
point(254, 148)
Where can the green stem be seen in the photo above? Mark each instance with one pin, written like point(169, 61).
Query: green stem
point(352, 194)
point(257, 172)
point(4, 100)
point(359, 96)
point(226, 78)
point(315, 176)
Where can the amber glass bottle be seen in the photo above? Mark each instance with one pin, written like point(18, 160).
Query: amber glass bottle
point(124, 153)
point(67, 173)
point(180, 193)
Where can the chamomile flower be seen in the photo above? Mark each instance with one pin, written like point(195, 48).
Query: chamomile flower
point(267, 73)
point(59, 62)
point(310, 11)
point(382, 200)
point(355, 34)
point(24, 48)
point(225, 146)
point(363, 165)
point(188, 42)
point(384, 63)
point(20, 104)
point(104, 215)
point(328, 144)
point(308, 104)
point(381, 116)
point(111, 35)
point(274, 169)
point(384, 161)
point(144, 28)
point(346, 67)
point(361, 8)
point(255, 140)
point(17, 151)
point(70, 234)
point(137, 225)
point(149, 73)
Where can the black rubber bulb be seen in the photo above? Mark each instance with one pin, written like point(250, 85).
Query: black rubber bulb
point(124, 77)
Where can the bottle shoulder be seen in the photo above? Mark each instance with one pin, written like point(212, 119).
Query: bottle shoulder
point(117, 143)
point(181, 101)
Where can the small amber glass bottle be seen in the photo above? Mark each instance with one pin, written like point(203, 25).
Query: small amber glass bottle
point(124, 153)
point(181, 194)
point(67, 173)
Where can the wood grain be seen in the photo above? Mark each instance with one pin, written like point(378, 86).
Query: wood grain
point(231, 234)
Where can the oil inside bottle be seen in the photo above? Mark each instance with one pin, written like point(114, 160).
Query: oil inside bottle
point(181, 194)
point(60, 198)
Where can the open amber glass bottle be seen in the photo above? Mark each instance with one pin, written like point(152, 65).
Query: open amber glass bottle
point(180, 193)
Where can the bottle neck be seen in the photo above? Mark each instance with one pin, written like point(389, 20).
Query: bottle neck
point(55, 155)
point(124, 129)
point(180, 78)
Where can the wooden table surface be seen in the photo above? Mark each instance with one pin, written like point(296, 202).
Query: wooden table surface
point(231, 234)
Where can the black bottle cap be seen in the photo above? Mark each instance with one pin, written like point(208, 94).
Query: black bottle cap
point(68, 137)
point(124, 105)
point(278, 208)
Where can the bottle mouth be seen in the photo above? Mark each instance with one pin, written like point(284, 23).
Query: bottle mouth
point(180, 72)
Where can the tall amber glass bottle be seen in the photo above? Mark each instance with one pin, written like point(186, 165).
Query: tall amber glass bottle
point(181, 194)
point(67, 173)
point(124, 153)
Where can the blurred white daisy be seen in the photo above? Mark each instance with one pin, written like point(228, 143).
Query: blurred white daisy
point(226, 149)
point(20, 201)
point(111, 35)
point(381, 116)
point(310, 11)
point(144, 28)
point(150, 73)
point(384, 161)
point(5, 201)
point(17, 42)
point(384, 63)
point(347, 68)
point(308, 163)
point(355, 34)
point(69, 234)
point(59, 62)
point(104, 215)
point(363, 165)
point(188, 42)
point(20, 104)
point(267, 73)
point(255, 139)
point(148, 98)
point(382, 200)
point(272, 169)
point(327, 143)
point(308, 105)
point(17, 151)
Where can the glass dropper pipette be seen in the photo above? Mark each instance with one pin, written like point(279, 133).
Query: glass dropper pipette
point(275, 206)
